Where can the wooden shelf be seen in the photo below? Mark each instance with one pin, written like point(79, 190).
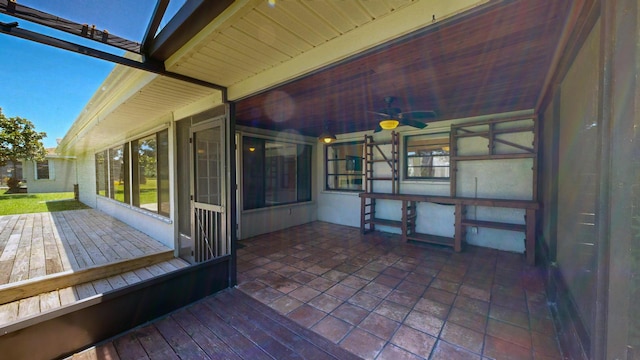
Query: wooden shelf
point(432, 239)
point(495, 225)
point(385, 222)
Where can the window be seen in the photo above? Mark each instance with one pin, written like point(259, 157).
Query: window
point(102, 173)
point(119, 173)
point(427, 156)
point(275, 173)
point(44, 170)
point(344, 166)
point(137, 173)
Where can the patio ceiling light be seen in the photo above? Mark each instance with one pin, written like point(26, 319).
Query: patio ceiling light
point(389, 124)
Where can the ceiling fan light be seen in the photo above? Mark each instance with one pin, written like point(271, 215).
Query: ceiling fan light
point(389, 124)
point(326, 137)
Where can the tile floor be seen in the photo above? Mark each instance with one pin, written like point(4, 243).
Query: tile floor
point(381, 298)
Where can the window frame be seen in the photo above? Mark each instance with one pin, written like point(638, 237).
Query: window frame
point(50, 170)
point(104, 173)
point(254, 169)
point(352, 163)
point(445, 142)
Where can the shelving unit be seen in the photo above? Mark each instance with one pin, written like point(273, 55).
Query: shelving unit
point(497, 132)
point(368, 205)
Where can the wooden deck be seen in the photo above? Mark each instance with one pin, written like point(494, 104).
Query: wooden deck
point(48, 260)
point(40, 244)
point(228, 325)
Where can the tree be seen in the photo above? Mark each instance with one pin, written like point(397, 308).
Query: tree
point(19, 141)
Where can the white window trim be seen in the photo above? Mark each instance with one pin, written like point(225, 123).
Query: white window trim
point(52, 174)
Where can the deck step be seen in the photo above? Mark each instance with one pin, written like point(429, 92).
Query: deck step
point(230, 325)
point(27, 288)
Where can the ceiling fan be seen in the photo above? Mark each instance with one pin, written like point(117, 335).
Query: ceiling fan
point(391, 117)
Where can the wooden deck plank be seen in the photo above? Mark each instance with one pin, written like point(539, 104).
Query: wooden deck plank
point(252, 313)
point(154, 344)
point(85, 290)
point(230, 336)
point(130, 277)
point(251, 330)
point(68, 295)
point(207, 340)
point(116, 281)
point(50, 300)
point(48, 243)
point(183, 345)
point(101, 352)
point(8, 312)
point(102, 286)
point(129, 347)
point(29, 306)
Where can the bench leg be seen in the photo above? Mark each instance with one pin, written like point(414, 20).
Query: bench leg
point(530, 241)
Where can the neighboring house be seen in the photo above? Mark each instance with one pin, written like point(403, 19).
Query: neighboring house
point(200, 164)
point(56, 173)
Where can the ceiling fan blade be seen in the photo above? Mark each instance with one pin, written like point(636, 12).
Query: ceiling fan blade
point(378, 129)
point(419, 114)
point(377, 113)
point(414, 123)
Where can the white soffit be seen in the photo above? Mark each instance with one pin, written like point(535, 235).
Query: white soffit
point(139, 107)
point(253, 46)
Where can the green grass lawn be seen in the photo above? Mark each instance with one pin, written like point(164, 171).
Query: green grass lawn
point(31, 203)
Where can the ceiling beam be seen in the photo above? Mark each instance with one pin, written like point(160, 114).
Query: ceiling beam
point(154, 24)
point(156, 67)
point(12, 8)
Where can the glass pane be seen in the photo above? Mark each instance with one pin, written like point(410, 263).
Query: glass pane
point(280, 173)
point(102, 174)
point(119, 173)
point(207, 166)
point(427, 156)
point(146, 182)
point(164, 205)
point(344, 166)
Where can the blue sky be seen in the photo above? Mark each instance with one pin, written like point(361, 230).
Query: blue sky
point(49, 86)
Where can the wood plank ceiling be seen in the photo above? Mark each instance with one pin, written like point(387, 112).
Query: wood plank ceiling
point(489, 61)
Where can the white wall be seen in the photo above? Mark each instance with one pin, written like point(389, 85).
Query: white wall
point(502, 179)
point(62, 173)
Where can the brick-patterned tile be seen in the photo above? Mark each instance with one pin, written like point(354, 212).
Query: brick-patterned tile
point(350, 313)
point(472, 305)
point(510, 333)
point(446, 351)
point(467, 319)
point(545, 345)
point(404, 298)
point(364, 300)
point(500, 349)
point(379, 325)
point(463, 337)
point(324, 302)
point(441, 296)
point(332, 328)
point(306, 315)
point(432, 307)
point(354, 282)
point(362, 344)
point(507, 315)
point(285, 304)
point(445, 285)
point(392, 352)
point(392, 310)
point(424, 322)
point(304, 293)
point(341, 292)
point(414, 341)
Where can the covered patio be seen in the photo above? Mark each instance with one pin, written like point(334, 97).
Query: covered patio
point(372, 295)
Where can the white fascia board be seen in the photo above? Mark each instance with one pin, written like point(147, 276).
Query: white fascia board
point(402, 22)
